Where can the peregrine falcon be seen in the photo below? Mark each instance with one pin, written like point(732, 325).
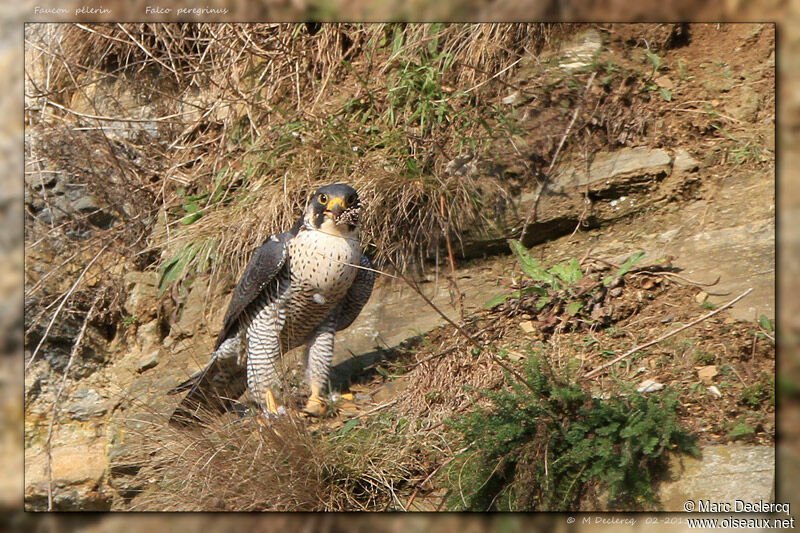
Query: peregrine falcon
point(300, 287)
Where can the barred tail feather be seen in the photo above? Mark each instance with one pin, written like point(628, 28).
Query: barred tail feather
point(213, 390)
point(190, 383)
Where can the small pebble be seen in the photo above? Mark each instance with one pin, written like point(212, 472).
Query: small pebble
point(148, 361)
point(701, 297)
point(707, 373)
point(649, 385)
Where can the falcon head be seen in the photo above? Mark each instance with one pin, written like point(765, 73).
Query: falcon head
point(334, 208)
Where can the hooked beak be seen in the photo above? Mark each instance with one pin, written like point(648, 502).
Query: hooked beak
point(335, 208)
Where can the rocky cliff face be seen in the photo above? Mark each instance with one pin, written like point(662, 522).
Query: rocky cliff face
point(681, 189)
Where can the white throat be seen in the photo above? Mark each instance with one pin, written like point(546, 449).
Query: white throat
point(338, 230)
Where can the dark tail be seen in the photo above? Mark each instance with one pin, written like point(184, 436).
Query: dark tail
point(212, 390)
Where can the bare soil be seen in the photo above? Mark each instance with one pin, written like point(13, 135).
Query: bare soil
point(738, 358)
point(723, 367)
point(704, 88)
point(708, 69)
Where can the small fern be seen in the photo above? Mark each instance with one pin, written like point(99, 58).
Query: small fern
point(544, 443)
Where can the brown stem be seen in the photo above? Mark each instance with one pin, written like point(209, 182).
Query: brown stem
point(666, 336)
point(447, 237)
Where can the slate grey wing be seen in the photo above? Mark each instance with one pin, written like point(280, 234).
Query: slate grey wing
point(223, 379)
point(357, 296)
point(267, 261)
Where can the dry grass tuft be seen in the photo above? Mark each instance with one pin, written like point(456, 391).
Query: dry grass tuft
point(198, 140)
point(180, 147)
point(237, 464)
point(226, 128)
point(449, 372)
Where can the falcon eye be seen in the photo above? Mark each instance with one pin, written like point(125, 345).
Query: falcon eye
point(323, 198)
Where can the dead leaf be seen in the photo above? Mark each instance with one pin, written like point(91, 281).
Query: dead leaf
point(664, 81)
point(515, 356)
point(649, 385)
point(707, 373)
point(701, 297)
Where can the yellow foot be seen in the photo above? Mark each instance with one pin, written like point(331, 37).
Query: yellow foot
point(271, 407)
point(315, 405)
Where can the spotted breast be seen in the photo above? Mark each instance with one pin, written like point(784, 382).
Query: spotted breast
point(322, 272)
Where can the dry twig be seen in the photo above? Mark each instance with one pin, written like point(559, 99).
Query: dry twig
point(666, 336)
point(553, 160)
point(61, 305)
point(54, 411)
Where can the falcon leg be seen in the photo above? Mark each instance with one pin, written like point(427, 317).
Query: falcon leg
point(319, 355)
point(315, 405)
point(228, 349)
point(264, 352)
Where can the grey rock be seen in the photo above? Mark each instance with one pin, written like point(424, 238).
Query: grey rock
point(87, 404)
point(193, 316)
point(44, 179)
point(462, 165)
point(148, 361)
point(625, 163)
point(53, 196)
point(86, 204)
point(47, 215)
point(36, 380)
point(649, 385)
point(718, 78)
point(135, 277)
point(117, 98)
point(744, 104)
point(142, 298)
point(97, 216)
point(724, 473)
point(513, 98)
point(618, 183)
point(56, 350)
point(149, 336)
point(743, 256)
point(684, 162)
point(581, 51)
point(630, 161)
